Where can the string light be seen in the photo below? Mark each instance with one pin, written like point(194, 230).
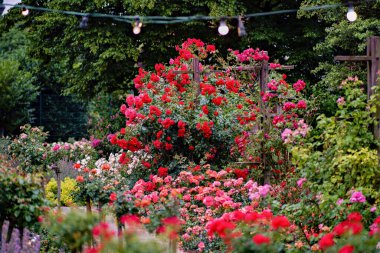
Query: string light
point(223, 28)
point(241, 28)
point(351, 14)
point(24, 11)
point(173, 20)
point(84, 22)
point(137, 26)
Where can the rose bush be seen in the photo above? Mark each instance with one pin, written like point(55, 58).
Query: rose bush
point(176, 121)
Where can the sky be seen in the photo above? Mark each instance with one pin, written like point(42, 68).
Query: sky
point(9, 2)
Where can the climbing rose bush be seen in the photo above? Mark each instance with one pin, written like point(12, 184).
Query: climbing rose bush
point(176, 122)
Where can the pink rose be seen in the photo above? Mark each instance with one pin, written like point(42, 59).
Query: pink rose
point(208, 201)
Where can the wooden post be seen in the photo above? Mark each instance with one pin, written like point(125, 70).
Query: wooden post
point(88, 205)
point(264, 73)
point(58, 174)
point(373, 50)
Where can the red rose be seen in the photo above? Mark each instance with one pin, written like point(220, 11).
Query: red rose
point(210, 48)
point(260, 239)
point(113, 197)
point(280, 222)
point(326, 241)
point(346, 249)
point(163, 172)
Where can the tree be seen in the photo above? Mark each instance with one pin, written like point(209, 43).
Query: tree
point(17, 85)
point(103, 57)
point(342, 38)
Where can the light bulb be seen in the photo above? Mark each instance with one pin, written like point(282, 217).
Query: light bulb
point(223, 28)
point(136, 29)
point(137, 26)
point(24, 11)
point(351, 15)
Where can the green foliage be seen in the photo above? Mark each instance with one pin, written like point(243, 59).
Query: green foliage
point(51, 190)
point(341, 37)
point(103, 57)
point(69, 187)
point(104, 119)
point(344, 155)
point(21, 200)
point(64, 117)
point(17, 83)
point(135, 243)
point(72, 230)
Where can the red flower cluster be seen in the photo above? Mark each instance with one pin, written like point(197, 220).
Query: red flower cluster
point(207, 89)
point(251, 54)
point(241, 173)
point(162, 172)
point(133, 144)
point(352, 224)
point(260, 239)
point(280, 222)
point(166, 123)
point(326, 241)
point(205, 128)
point(299, 86)
point(220, 227)
point(181, 128)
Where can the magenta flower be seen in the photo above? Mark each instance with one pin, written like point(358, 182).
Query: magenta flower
point(95, 142)
point(56, 147)
point(301, 181)
point(357, 197)
point(263, 190)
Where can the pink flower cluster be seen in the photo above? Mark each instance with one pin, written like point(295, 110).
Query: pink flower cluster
point(288, 135)
point(251, 54)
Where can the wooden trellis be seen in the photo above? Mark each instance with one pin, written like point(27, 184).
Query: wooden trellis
point(373, 65)
point(263, 71)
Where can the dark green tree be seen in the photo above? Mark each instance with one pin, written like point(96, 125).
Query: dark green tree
point(342, 37)
point(103, 57)
point(17, 85)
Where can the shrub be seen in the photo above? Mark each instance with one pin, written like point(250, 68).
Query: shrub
point(69, 187)
point(175, 121)
point(72, 230)
point(344, 156)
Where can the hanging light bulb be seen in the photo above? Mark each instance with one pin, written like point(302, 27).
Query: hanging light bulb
point(241, 28)
point(137, 26)
point(84, 22)
point(223, 28)
point(24, 11)
point(351, 14)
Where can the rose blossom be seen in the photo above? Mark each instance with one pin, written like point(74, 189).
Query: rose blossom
point(301, 181)
point(357, 197)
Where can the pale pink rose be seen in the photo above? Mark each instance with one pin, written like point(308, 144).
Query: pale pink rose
point(339, 202)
